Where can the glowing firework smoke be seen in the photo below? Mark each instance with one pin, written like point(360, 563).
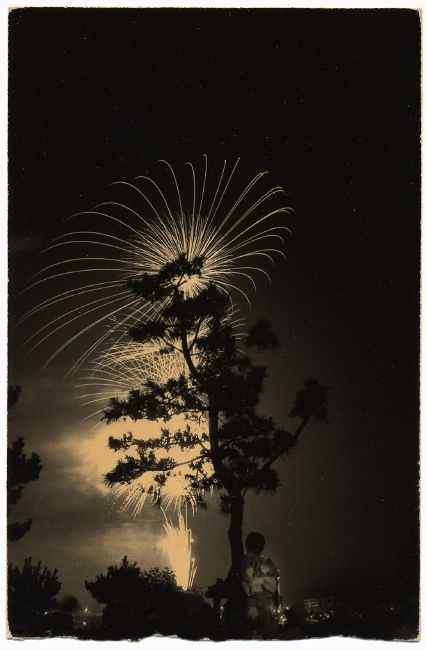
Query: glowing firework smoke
point(116, 241)
point(177, 546)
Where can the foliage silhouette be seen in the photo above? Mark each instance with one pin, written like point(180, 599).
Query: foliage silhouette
point(20, 471)
point(13, 393)
point(31, 592)
point(142, 603)
point(128, 582)
point(222, 384)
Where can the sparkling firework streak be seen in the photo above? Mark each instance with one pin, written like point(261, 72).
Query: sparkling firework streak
point(236, 232)
point(177, 546)
point(126, 366)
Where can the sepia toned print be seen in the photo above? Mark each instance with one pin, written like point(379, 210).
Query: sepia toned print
point(213, 323)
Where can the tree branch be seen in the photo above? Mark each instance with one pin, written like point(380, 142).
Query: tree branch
point(279, 453)
point(196, 333)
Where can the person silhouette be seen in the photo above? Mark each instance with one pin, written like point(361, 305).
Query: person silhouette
point(259, 580)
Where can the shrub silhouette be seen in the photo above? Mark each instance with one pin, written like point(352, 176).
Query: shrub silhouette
point(141, 603)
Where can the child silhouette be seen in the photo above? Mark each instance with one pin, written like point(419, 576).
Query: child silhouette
point(259, 579)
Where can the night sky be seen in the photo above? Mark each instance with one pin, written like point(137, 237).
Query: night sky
point(328, 101)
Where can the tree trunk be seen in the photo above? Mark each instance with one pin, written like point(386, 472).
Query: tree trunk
point(235, 533)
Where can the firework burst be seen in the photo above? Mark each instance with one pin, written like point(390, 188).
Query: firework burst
point(125, 366)
point(235, 232)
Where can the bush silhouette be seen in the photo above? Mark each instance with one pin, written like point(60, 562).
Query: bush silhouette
point(142, 603)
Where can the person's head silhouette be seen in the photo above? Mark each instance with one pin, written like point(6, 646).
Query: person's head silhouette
point(255, 543)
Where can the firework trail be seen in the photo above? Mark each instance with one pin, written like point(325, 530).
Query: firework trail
point(126, 366)
point(177, 546)
point(84, 287)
